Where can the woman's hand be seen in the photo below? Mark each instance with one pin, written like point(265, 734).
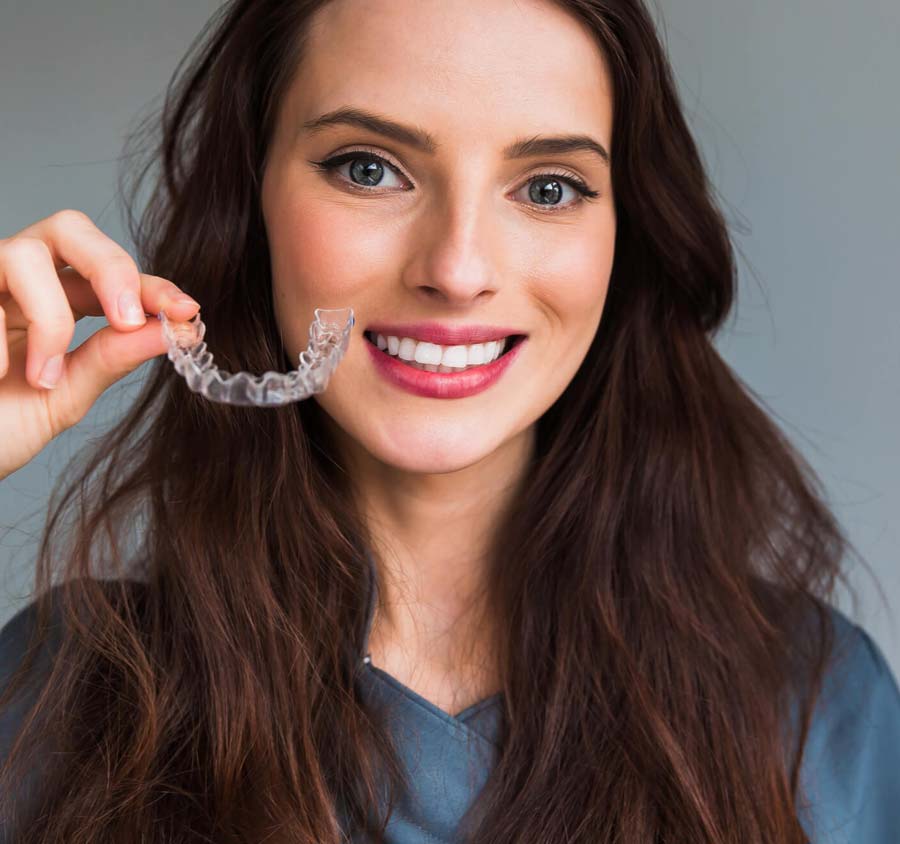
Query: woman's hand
point(53, 273)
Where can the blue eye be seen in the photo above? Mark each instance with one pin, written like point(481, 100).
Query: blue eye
point(548, 186)
point(367, 170)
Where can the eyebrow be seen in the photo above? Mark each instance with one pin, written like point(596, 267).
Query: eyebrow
point(422, 140)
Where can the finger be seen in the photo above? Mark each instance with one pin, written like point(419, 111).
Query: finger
point(27, 272)
point(101, 360)
point(157, 292)
point(39, 303)
point(74, 240)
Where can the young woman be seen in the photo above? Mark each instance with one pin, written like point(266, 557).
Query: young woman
point(579, 594)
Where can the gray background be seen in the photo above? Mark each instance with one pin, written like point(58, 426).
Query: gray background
point(795, 110)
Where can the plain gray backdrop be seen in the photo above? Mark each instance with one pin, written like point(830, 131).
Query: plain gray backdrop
point(794, 106)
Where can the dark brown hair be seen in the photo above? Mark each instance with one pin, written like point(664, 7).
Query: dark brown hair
point(663, 577)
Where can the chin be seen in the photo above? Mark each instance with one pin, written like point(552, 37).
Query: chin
point(430, 449)
point(419, 443)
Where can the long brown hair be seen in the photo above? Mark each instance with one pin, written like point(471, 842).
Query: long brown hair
point(663, 577)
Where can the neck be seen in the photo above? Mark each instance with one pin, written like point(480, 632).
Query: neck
point(431, 537)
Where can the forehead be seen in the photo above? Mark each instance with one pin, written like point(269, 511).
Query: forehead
point(457, 67)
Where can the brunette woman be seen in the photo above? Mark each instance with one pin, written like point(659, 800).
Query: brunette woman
point(536, 567)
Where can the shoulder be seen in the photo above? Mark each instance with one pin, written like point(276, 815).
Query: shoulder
point(17, 635)
point(15, 639)
point(22, 622)
point(851, 765)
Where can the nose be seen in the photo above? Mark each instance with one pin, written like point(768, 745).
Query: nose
point(454, 261)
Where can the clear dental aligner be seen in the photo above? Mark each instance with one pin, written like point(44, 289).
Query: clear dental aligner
point(329, 336)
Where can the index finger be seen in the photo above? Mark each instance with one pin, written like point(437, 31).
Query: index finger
point(74, 240)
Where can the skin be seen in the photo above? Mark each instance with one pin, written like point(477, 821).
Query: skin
point(453, 236)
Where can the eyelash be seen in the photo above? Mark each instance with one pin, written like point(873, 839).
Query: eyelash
point(585, 193)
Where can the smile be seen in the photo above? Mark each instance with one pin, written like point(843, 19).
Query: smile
point(435, 371)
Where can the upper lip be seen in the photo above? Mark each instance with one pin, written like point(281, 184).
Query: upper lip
point(444, 335)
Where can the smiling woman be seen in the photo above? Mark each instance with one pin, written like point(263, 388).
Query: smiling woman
point(536, 566)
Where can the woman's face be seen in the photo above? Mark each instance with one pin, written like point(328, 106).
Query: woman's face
point(460, 235)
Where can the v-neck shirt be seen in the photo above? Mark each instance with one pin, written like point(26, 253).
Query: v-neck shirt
point(490, 704)
point(447, 757)
point(850, 772)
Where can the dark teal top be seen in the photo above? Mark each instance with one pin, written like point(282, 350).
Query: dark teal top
point(851, 766)
point(851, 769)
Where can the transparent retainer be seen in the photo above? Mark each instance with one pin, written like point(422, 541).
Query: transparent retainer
point(329, 336)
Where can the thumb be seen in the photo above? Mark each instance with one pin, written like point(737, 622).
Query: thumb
point(105, 357)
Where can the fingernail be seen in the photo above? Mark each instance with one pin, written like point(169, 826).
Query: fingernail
point(130, 308)
point(51, 372)
point(185, 300)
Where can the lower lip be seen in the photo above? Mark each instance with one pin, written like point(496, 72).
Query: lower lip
point(442, 385)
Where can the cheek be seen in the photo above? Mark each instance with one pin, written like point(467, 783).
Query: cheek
point(326, 252)
point(571, 281)
point(324, 255)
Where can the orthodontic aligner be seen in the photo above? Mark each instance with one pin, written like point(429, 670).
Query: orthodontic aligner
point(329, 336)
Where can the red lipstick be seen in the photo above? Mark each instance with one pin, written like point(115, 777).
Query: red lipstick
point(443, 385)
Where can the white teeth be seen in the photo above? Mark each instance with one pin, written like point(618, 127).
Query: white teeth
point(429, 353)
point(407, 350)
point(455, 356)
point(437, 358)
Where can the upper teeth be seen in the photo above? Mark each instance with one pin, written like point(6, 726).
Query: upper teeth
point(407, 348)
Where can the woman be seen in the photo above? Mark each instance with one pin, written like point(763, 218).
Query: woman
point(585, 600)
